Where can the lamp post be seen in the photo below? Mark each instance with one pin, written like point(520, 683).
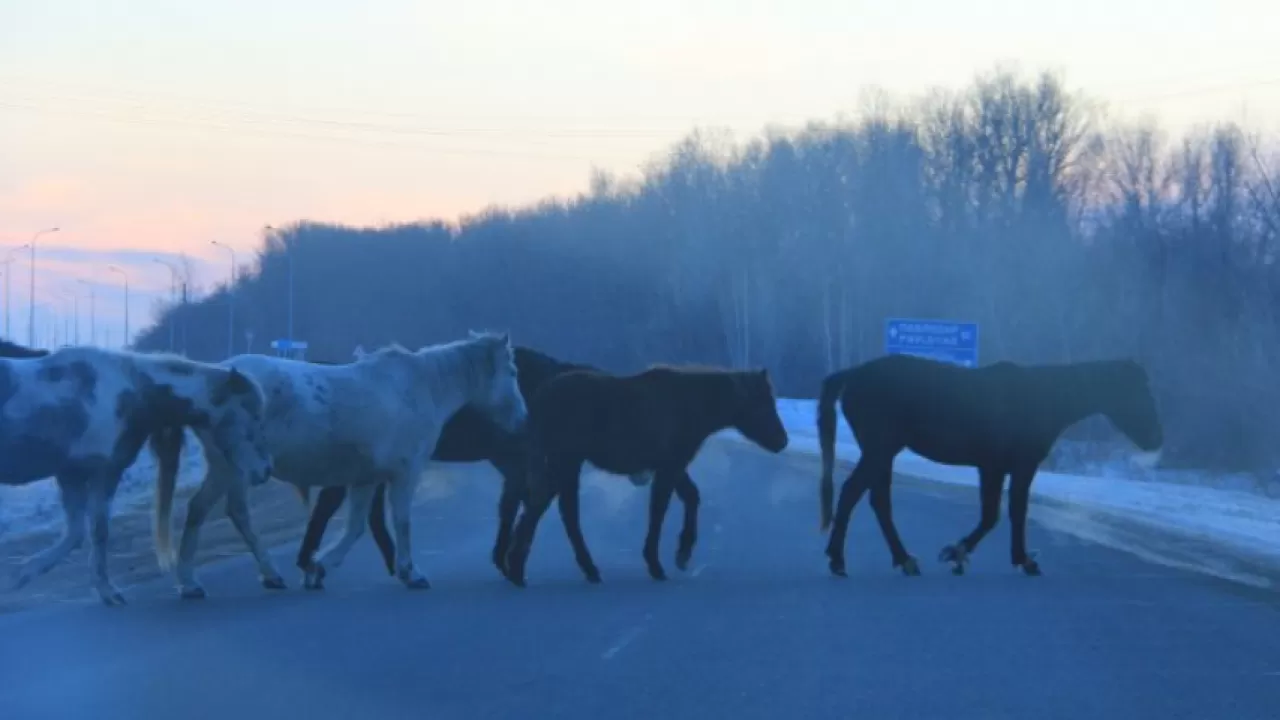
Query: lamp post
point(31, 315)
point(124, 342)
point(231, 305)
point(8, 273)
point(93, 313)
point(173, 291)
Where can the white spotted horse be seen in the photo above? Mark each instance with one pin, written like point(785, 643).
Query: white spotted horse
point(82, 414)
point(373, 421)
point(1001, 419)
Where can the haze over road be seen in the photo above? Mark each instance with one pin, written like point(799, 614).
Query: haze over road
point(756, 629)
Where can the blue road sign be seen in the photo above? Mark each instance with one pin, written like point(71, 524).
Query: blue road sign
point(953, 342)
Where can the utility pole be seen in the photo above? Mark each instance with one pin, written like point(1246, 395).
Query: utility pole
point(124, 342)
point(31, 310)
point(231, 304)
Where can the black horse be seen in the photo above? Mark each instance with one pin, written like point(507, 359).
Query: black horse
point(469, 436)
point(1001, 419)
point(14, 350)
point(652, 422)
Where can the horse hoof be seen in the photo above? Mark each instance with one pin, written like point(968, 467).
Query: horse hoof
point(682, 560)
point(657, 573)
point(593, 575)
point(1029, 566)
point(274, 583)
point(954, 554)
point(517, 580)
point(837, 568)
point(910, 567)
point(193, 592)
point(314, 579)
point(957, 569)
point(111, 597)
point(417, 583)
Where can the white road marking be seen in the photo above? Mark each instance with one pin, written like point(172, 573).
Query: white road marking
point(625, 639)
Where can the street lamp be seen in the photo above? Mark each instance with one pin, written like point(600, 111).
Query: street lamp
point(173, 292)
point(69, 318)
point(93, 319)
point(31, 316)
point(231, 305)
point(112, 268)
point(8, 273)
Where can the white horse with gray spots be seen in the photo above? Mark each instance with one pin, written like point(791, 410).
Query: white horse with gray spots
point(361, 424)
point(82, 414)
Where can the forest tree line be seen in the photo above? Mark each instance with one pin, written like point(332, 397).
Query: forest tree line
point(1010, 203)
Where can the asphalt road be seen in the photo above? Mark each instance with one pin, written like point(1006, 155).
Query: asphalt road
point(756, 629)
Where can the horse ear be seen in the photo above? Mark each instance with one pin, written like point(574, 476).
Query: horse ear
point(506, 339)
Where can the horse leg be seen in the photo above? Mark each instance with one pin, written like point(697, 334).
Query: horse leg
point(328, 502)
point(570, 516)
point(989, 486)
point(238, 511)
point(378, 527)
point(659, 500)
point(508, 506)
point(689, 496)
point(1019, 500)
point(198, 508)
point(359, 499)
point(850, 493)
point(75, 500)
point(537, 498)
point(101, 491)
point(882, 506)
point(401, 492)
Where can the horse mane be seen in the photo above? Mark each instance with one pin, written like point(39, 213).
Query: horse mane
point(691, 370)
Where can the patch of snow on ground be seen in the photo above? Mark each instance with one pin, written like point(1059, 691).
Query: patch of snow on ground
point(35, 507)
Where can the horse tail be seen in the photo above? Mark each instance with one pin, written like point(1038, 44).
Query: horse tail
point(832, 385)
point(166, 443)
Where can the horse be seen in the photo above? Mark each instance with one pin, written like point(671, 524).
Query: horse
point(373, 421)
point(14, 350)
point(469, 436)
point(1001, 419)
point(655, 422)
point(82, 414)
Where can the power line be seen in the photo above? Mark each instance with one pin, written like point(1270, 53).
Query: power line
point(267, 132)
point(275, 115)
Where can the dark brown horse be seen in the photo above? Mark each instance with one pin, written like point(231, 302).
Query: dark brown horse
point(469, 436)
point(653, 422)
point(1001, 419)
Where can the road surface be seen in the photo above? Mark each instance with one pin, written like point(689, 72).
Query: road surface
point(756, 629)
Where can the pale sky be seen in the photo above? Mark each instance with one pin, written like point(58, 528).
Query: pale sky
point(149, 128)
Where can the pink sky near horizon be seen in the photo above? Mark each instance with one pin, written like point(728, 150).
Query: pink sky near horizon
point(157, 127)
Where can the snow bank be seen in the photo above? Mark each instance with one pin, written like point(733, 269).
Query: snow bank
point(1247, 522)
point(35, 508)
